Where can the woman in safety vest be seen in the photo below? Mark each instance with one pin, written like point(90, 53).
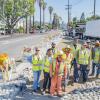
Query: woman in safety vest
point(57, 71)
point(46, 70)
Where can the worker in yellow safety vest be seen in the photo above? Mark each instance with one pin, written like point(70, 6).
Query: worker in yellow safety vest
point(84, 59)
point(57, 71)
point(36, 67)
point(75, 48)
point(68, 61)
point(47, 79)
point(96, 59)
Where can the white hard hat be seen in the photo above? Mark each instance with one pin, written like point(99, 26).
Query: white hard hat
point(68, 46)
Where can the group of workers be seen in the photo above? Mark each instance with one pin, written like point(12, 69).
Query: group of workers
point(57, 65)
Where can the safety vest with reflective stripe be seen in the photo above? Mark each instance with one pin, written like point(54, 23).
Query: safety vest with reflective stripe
point(37, 63)
point(68, 60)
point(61, 68)
point(96, 55)
point(47, 63)
point(84, 56)
point(75, 50)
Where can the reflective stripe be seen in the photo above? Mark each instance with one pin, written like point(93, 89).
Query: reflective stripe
point(47, 63)
point(61, 69)
point(37, 63)
point(84, 57)
point(74, 51)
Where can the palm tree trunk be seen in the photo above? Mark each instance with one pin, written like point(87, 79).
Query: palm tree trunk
point(43, 18)
point(33, 21)
point(30, 24)
point(40, 16)
point(50, 19)
point(26, 25)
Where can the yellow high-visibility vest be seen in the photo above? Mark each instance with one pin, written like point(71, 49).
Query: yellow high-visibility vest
point(3, 58)
point(74, 51)
point(61, 69)
point(68, 60)
point(37, 63)
point(47, 63)
point(84, 56)
point(97, 55)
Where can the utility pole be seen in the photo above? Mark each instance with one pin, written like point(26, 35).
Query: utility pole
point(94, 9)
point(69, 14)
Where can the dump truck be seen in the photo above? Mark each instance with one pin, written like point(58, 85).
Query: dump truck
point(92, 29)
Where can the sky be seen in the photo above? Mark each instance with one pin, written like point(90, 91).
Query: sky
point(78, 6)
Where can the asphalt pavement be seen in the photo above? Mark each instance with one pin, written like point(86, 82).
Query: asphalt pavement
point(13, 45)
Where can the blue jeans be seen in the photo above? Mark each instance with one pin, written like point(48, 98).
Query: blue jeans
point(47, 81)
point(84, 72)
point(96, 69)
point(36, 81)
point(76, 71)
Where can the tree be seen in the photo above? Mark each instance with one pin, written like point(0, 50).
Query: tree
point(11, 11)
point(92, 18)
point(34, 1)
point(44, 7)
point(74, 19)
point(82, 18)
point(33, 13)
point(40, 6)
point(50, 12)
point(55, 21)
point(74, 22)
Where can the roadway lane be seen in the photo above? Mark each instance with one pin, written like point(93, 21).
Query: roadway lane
point(14, 46)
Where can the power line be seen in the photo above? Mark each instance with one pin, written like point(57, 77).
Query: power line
point(78, 2)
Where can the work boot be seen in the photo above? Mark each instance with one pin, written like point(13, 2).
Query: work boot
point(35, 91)
point(60, 95)
point(43, 93)
point(52, 96)
point(48, 91)
point(97, 76)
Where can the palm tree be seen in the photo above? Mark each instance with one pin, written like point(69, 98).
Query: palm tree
point(55, 21)
point(26, 24)
point(44, 7)
point(33, 14)
point(30, 23)
point(50, 12)
point(40, 6)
